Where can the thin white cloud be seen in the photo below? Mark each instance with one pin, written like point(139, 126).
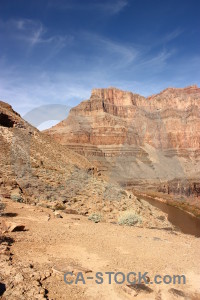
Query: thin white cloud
point(165, 39)
point(110, 7)
point(34, 33)
point(133, 56)
point(117, 54)
point(157, 61)
point(20, 24)
point(172, 35)
point(37, 36)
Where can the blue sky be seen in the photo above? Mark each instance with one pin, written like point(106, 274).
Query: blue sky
point(56, 51)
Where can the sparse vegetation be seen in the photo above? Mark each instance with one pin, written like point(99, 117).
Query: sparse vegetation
point(129, 218)
point(2, 207)
point(95, 217)
point(17, 198)
point(59, 206)
point(123, 193)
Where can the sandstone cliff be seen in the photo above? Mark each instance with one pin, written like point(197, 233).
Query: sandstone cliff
point(132, 137)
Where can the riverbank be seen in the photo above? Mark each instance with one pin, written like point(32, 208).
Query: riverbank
point(169, 200)
point(183, 220)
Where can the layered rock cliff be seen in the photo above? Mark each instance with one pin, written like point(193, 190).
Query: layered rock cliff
point(132, 137)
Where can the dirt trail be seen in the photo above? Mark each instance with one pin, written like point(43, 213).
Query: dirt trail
point(74, 240)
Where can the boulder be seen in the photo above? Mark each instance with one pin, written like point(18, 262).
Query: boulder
point(12, 226)
point(57, 214)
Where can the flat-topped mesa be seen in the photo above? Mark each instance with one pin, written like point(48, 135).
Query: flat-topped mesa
point(114, 96)
point(112, 101)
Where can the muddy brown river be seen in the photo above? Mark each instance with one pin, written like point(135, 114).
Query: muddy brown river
point(182, 220)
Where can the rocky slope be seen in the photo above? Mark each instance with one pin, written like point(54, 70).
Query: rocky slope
point(36, 169)
point(134, 139)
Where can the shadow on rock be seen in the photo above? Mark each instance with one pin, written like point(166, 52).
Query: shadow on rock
point(2, 288)
point(6, 239)
point(9, 215)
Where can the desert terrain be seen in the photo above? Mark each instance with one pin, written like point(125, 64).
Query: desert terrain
point(34, 263)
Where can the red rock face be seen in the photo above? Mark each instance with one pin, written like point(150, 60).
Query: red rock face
point(157, 137)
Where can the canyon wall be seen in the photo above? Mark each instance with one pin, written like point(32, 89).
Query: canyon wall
point(130, 137)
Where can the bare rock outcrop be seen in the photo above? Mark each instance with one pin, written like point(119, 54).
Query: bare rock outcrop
point(130, 137)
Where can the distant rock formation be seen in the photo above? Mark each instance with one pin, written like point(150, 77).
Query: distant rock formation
point(130, 137)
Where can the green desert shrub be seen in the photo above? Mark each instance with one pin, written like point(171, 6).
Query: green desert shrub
point(2, 207)
point(96, 218)
point(124, 193)
point(16, 198)
point(129, 218)
point(59, 207)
